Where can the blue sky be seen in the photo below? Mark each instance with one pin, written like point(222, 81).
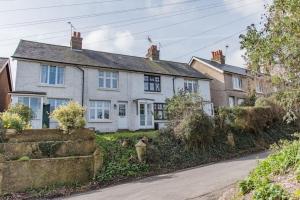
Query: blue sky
point(183, 27)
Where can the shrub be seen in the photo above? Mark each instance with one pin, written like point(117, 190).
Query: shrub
point(196, 130)
point(69, 117)
point(23, 111)
point(12, 121)
point(270, 191)
point(188, 121)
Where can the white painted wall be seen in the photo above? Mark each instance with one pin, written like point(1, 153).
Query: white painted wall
point(131, 87)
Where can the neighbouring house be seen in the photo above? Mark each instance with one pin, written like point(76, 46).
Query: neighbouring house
point(118, 91)
point(230, 85)
point(5, 83)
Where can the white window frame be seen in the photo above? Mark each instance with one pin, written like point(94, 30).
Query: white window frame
point(56, 75)
point(259, 88)
point(240, 101)
point(194, 83)
point(233, 101)
point(37, 115)
point(237, 83)
point(95, 108)
point(105, 78)
point(55, 102)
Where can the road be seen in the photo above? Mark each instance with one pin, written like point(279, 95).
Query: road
point(200, 183)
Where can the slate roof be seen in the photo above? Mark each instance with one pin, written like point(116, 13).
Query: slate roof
point(3, 61)
point(225, 67)
point(63, 54)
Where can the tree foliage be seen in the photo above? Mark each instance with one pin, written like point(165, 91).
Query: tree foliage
point(274, 48)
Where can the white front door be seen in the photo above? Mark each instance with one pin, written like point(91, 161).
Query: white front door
point(122, 116)
point(146, 115)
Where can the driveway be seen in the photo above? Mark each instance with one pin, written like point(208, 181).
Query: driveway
point(204, 182)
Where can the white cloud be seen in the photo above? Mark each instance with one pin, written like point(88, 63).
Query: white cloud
point(107, 39)
point(245, 7)
point(236, 58)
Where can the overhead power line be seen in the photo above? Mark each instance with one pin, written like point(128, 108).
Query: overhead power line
point(58, 6)
point(160, 27)
point(36, 22)
point(166, 14)
point(210, 44)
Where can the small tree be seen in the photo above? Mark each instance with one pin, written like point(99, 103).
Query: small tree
point(69, 117)
point(188, 120)
point(23, 111)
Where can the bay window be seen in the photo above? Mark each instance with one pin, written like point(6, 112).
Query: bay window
point(108, 79)
point(52, 75)
point(99, 110)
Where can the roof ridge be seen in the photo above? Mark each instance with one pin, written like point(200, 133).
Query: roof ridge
point(103, 52)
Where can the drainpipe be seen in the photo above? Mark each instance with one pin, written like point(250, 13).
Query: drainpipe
point(82, 91)
point(174, 84)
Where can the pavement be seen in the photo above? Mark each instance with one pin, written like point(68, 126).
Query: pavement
point(200, 183)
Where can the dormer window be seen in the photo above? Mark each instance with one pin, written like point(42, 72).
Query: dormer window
point(191, 85)
point(52, 75)
point(237, 83)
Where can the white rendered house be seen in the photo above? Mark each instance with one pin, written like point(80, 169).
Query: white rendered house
point(118, 91)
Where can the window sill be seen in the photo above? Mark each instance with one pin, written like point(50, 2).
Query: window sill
point(238, 89)
point(259, 92)
point(146, 92)
point(108, 89)
point(100, 121)
point(55, 86)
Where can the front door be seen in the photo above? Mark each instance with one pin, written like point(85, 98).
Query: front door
point(122, 116)
point(146, 115)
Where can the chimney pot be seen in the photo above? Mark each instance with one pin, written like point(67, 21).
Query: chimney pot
point(76, 41)
point(153, 53)
point(218, 57)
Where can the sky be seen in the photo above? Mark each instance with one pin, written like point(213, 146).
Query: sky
point(182, 28)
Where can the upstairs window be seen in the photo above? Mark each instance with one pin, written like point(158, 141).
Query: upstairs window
point(237, 83)
point(152, 83)
point(191, 85)
point(108, 80)
point(52, 75)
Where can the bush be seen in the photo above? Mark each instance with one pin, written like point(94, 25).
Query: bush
point(12, 121)
point(23, 111)
point(196, 130)
point(69, 117)
point(270, 191)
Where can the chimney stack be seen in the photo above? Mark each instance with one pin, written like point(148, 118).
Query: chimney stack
point(153, 53)
point(218, 57)
point(76, 41)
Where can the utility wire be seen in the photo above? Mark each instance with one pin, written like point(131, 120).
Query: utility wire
point(156, 28)
point(36, 22)
point(210, 44)
point(173, 13)
point(58, 6)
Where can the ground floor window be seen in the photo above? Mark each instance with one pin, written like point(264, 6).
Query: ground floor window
point(32, 102)
point(240, 101)
point(55, 103)
point(160, 111)
point(99, 110)
point(231, 101)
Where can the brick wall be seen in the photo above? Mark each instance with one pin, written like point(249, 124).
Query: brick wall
point(4, 89)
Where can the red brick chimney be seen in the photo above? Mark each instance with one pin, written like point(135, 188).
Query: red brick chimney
point(153, 53)
point(218, 57)
point(76, 41)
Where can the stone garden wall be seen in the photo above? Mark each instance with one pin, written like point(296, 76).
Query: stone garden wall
point(38, 158)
